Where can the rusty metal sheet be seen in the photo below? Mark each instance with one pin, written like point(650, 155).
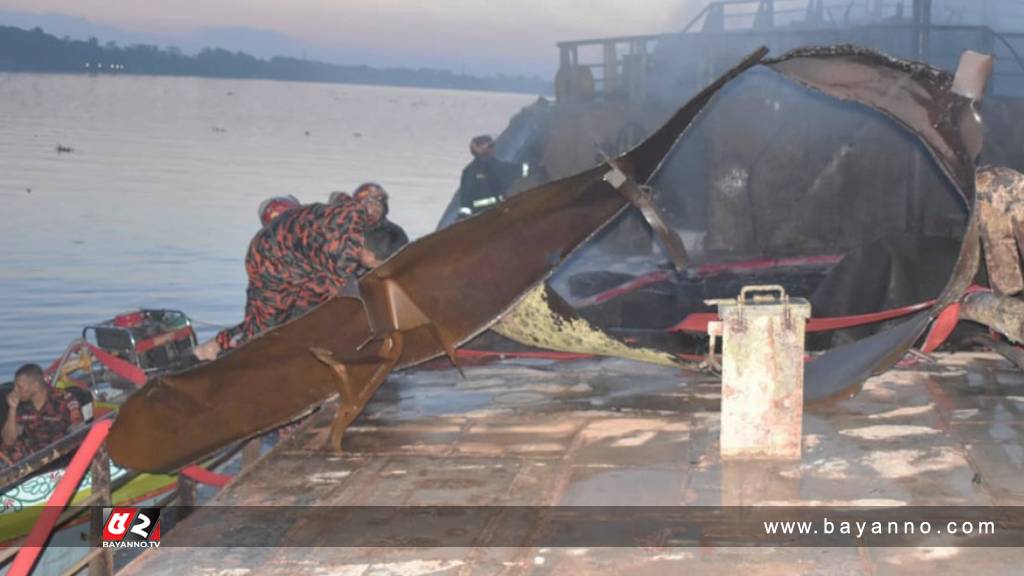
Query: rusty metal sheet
point(921, 99)
point(916, 95)
point(442, 290)
point(1000, 205)
point(429, 298)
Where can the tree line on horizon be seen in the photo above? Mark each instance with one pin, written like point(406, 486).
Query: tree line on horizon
point(37, 51)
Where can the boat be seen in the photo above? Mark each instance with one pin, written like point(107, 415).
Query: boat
point(97, 372)
point(775, 183)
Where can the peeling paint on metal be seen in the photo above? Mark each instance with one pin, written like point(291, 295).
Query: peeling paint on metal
point(535, 322)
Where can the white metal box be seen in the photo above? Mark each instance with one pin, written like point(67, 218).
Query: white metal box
point(762, 372)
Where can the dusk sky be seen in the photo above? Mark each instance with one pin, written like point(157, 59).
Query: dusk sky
point(478, 36)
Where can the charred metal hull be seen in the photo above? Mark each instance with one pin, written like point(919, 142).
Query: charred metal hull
point(935, 107)
point(932, 105)
point(444, 289)
point(431, 297)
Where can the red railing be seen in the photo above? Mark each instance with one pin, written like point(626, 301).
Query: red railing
point(93, 445)
point(92, 454)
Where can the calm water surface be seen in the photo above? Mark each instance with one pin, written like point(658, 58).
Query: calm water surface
point(156, 204)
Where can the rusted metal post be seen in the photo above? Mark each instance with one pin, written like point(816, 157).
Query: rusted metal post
point(765, 18)
point(564, 88)
point(103, 563)
point(922, 28)
point(715, 20)
point(762, 373)
point(611, 68)
point(915, 205)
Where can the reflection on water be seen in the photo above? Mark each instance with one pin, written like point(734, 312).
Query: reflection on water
point(157, 202)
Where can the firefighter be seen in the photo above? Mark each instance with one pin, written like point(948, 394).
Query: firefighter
point(300, 259)
point(273, 207)
point(485, 179)
point(37, 414)
point(386, 237)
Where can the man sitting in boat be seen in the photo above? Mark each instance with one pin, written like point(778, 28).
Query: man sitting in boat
point(486, 179)
point(37, 414)
point(299, 260)
point(386, 237)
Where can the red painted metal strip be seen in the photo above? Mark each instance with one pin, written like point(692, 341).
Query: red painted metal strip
point(636, 284)
point(708, 270)
point(765, 263)
point(66, 488)
point(698, 322)
point(71, 349)
point(204, 476)
point(942, 328)
point(162, 339)
point(122, 368)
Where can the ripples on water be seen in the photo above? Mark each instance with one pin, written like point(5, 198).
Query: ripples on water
point(155, 206)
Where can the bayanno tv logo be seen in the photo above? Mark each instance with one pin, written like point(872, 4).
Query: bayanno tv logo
point(131, 527)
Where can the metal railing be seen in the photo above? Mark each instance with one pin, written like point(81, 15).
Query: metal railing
point(90, 454)
point(620, 67)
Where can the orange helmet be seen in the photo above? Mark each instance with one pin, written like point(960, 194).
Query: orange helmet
point(273, 207)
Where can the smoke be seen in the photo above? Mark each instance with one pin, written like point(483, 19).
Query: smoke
point(685, 11)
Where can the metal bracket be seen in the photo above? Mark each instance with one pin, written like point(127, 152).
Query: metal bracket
point(389, 310)
point(641, 197)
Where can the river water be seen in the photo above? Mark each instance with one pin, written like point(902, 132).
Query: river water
point(156, 203)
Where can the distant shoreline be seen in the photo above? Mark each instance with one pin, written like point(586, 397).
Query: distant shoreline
point(35, 51)
point(547, 94)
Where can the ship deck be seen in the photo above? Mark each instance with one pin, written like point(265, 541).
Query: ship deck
point(615, 433)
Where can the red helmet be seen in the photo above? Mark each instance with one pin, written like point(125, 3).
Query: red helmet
point(370, 190)
point(272, 207)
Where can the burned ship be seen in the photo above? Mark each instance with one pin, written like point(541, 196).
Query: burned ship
point(845, 174)
point(775, 182)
